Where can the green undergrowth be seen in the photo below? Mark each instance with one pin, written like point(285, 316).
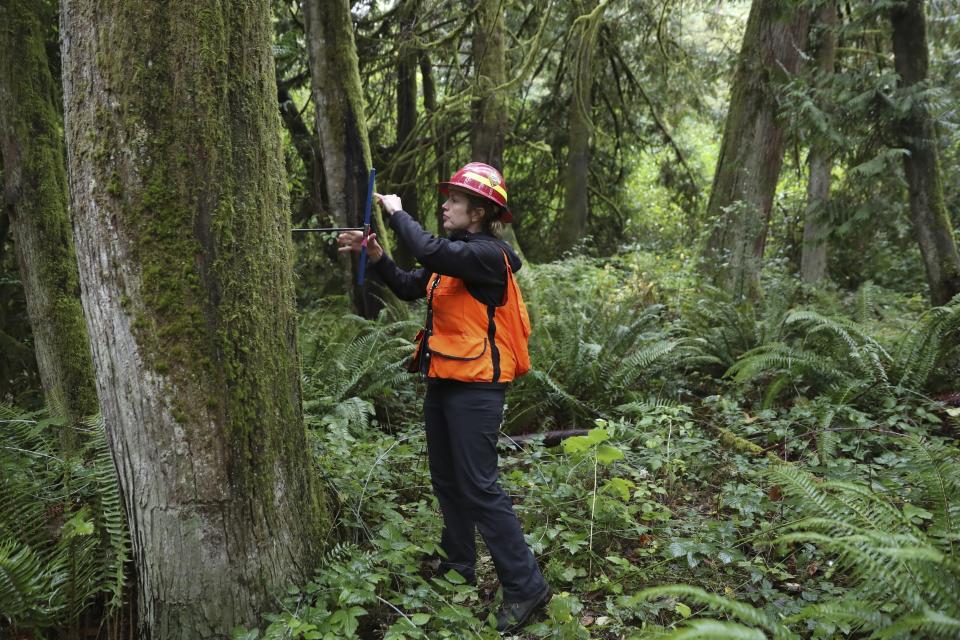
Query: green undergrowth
point(784, 470)
point(64, 545)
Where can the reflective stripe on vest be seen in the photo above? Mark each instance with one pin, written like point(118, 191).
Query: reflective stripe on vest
point(470, 341)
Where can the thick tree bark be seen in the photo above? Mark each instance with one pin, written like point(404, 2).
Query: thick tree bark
point(344, 143)
point(183, 242)
point(490, 115)
point(576, 178)
point(813, 258)
point(36, 193)
point(922, 166)
point(751, 152)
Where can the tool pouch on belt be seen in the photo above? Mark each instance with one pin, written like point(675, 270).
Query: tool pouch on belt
point(416, 360)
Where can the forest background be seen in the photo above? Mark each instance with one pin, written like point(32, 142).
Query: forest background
point(738, 226)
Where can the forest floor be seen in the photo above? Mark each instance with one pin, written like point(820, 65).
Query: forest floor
point(654, 500)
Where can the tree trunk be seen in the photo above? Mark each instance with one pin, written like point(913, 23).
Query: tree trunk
point(437, 130)
point(183, 242)
point(341, 123)
point(751, 152)
point(922, 165)
point(490, 117)
point(576, 179)
point(308, 148)
point(813, 258)
point(36, 193)
point(404, 174)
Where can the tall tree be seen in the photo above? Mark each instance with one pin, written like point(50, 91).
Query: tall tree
point(36, 195)
point(917, 131)
point(813, 258)
point(576, 173)
point(344, 142)
point(751, 152)
point(183, 242)
point(405, 168)
point(490, 113)
point(437, 132)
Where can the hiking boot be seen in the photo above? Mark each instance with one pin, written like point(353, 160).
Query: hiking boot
point(513, 616)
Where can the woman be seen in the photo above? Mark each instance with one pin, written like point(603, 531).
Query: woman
point(473, 343)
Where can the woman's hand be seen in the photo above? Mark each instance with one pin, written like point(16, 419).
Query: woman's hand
point(390, 202)
point(353, 241)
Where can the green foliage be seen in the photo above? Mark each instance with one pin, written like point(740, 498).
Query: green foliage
point(838, 356)
point(345, 356)
point(895, 548)
point(63, 537)
point(721, 331)
point(898, 552)
point(593, 351)
point(932, 342)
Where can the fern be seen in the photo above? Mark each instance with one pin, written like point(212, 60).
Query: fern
point(591, 351)
point(63, 537)
point(931, 624)
point(721, 331)
point(714, 630)
point(348, 357)
point(739, 610)
point(904, 579)
point(929, 342)
point(891, 560)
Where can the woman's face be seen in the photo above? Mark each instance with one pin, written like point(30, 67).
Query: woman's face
point(457, 215)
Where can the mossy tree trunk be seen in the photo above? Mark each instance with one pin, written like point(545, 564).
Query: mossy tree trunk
point(36, 196)
point(751, 152)
point(183, 241)
point(816, 228)
point(576, 172)
point(922, 165)
point(344, 142)
point(490, 110)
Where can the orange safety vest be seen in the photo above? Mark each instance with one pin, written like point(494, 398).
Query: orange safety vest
point(470, 341)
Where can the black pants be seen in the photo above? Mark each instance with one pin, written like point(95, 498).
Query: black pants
point(463, 421)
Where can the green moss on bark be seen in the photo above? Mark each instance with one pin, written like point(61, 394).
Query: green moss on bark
point(35, 176)
point(202, 208)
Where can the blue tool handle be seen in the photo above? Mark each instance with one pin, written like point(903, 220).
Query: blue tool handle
point(362, 267)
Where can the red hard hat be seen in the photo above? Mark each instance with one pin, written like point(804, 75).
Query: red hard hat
point(483, 180)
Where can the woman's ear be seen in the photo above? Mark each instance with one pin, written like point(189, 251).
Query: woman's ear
point(477, 214)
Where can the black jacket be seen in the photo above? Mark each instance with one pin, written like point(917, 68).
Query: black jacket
point(475, 258)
